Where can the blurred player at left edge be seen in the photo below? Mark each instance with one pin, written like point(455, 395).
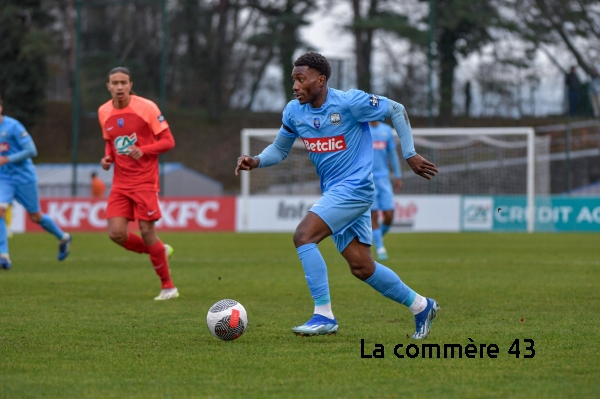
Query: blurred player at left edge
point(18, 181)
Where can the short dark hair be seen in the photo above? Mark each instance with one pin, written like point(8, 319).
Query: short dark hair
point(117, 70)
point(315, 61)
point(0, 101)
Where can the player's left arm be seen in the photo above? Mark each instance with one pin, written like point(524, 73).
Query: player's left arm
point(164, 143)
point(397, 113)
point(395, 162)
point(159, 126)
point(28, 149)
point(392, 155)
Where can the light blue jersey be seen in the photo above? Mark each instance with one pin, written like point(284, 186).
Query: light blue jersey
point(384, 151)
point(14, 139)
point(338, 139)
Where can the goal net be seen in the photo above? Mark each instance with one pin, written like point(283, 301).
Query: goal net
point(472, 161)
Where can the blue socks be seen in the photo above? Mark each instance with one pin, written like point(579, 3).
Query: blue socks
point(3, 237)
point(51, 227)
point(384, 229)
point(315, 272)
point(377, 238)
point(387, 282)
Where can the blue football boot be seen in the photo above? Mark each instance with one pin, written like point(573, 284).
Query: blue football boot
point(424, 319)
point(317, 325)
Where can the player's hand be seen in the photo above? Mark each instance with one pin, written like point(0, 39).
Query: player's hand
point(246, 163)
point(422, 167)
point(397, 183)
point(105, 162)
point(3, 160)
point(135, 152)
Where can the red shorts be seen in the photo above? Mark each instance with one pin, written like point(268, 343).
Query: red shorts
point(139, 205)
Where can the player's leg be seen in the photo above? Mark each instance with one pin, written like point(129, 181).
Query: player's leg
point(312, 230)
point(354, 246)
point(388, 218)
point(27, 195)
point(378, 236)
point(377, 233)
point(147, 207)
point(7, 192)
point(4, 256)
point(119, 211)
point(385, 201)
point(159, 258)
point(332, 213)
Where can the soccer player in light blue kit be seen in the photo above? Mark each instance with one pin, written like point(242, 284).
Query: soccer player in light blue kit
point(384, 153)
point(18, 180)
point(333, 126)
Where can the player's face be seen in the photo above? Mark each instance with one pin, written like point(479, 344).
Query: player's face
point(119, 84)
point(308, 84)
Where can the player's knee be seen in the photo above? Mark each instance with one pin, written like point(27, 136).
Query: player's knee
point(361, 270)
point(299, 239)
point(117, 236)
point(303, 237)
point(35, 217)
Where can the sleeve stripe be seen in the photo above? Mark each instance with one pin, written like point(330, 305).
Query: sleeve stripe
point(287, 128)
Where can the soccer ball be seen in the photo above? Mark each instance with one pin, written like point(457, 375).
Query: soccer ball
point(227, 319)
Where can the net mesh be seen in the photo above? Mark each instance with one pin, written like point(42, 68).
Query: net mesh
point(482, 164)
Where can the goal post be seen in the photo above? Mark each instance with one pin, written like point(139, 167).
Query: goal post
point(527, 132)
point(472, 161)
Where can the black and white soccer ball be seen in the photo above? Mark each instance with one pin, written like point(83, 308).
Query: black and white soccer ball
point(227, 319)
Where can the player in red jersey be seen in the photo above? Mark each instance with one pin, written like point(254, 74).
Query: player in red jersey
point(136, 133)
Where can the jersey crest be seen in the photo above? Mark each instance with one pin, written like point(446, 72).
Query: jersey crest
point(122, 143)
point(317, 123)
point(335, 118)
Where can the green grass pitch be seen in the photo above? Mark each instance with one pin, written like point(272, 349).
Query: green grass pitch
point(88, 327)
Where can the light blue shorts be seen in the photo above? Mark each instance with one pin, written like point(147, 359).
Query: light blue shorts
point(26, 194)
point(347, 218)
point(384, 194)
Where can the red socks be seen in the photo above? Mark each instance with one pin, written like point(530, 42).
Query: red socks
point(135, 243)
point(158, 256)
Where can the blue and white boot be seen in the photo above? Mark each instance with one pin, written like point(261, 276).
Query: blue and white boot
point(5, 262)
point(317, 325)
point(424, 319)
point(64, 247)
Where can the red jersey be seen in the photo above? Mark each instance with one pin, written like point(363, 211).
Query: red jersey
point(137, 124)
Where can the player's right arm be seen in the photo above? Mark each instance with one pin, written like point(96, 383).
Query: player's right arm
point(108, 157)
point(28, 149)
point(109, 154)
point(275, 152)
point(271, 155)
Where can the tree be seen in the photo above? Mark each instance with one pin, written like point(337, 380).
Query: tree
point(461, 27)
point(23, 51)
point(370, 17)
point(284, 20)
point(215, 57)
point(573, 23)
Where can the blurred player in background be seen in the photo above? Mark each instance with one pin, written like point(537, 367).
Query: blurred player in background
point(333, 126)
point(136, 132)
point(18, 181)
point(97, 186)
point(384, 153)
point(8, 220)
